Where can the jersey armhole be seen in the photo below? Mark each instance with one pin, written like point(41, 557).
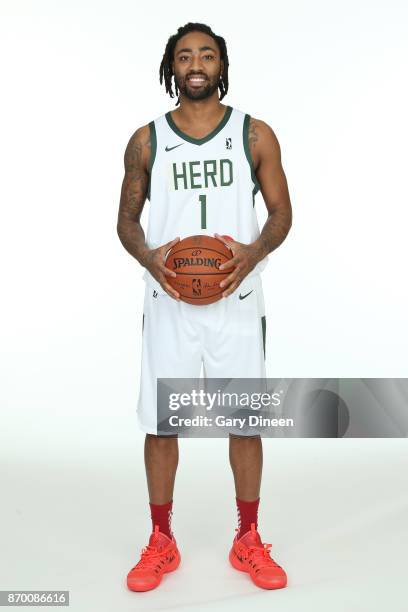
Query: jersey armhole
point(153, 149)
point(245, 135)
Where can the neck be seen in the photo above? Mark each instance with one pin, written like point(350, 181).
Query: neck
point(200, 110)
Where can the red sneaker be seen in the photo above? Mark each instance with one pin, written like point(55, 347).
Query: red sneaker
point(248, 554)
point(160, 556)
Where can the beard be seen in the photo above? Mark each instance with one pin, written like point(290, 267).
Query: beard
point(197, 93)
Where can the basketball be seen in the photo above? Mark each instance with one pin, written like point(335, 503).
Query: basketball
point(196, 260)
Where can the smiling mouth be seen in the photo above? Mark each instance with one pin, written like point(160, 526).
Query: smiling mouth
point(196, 81)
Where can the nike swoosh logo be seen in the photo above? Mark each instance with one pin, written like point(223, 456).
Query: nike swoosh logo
point(242, 297)
point(171, 148)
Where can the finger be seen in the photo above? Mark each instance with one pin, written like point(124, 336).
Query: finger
point(219, 237)
point(231, 288)
point(168, 272)
point(172, 241)
point(168, 246)
point(228, 264)
point(172, 292)
point(173, 295)
point(225, 240)
point(230, 279)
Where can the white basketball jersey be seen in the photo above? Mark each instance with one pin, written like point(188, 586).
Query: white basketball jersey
point(201, 185)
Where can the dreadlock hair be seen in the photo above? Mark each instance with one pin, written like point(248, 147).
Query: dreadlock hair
point(166, 71)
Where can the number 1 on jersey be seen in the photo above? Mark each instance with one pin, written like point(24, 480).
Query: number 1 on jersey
point(203, 202)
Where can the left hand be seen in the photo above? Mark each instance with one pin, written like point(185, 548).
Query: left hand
point(245, 257)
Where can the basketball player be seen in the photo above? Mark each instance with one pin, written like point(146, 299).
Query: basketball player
point(176, 162)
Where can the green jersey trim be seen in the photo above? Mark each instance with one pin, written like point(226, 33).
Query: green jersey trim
point(245, 135)
point(263, 323)
point(199, 141)
point(153, 149)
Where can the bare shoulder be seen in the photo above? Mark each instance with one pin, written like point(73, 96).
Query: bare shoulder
point(137, 153)
point(262, 140)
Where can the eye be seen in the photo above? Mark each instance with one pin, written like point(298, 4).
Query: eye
point(210, 56)
point(182, 56)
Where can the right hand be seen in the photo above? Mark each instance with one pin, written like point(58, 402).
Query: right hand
point(154, 262)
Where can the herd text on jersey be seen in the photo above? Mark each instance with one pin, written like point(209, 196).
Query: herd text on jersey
point(201, 185)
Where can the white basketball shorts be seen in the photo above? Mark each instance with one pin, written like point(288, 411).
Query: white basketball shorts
point(228, 337)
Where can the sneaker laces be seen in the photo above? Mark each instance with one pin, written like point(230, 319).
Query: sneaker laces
point(261, 556)
point(150, 557)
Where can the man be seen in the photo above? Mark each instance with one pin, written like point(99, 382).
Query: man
point(175, 161)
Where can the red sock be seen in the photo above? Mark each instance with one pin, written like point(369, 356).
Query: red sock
point(161, 515)
point(247, 514)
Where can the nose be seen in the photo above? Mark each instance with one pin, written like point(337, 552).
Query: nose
point(196, 64)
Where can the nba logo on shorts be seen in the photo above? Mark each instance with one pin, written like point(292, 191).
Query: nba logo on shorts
point(228, 143)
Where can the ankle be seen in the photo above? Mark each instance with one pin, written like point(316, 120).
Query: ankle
point(247, 514)
point(161, 515)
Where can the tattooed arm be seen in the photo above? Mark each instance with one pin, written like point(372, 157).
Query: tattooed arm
point(266, 155)
point(132, 200)
point(265, 151)
point(133, 194)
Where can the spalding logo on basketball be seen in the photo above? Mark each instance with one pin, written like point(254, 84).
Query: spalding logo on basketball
point(196, 261)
